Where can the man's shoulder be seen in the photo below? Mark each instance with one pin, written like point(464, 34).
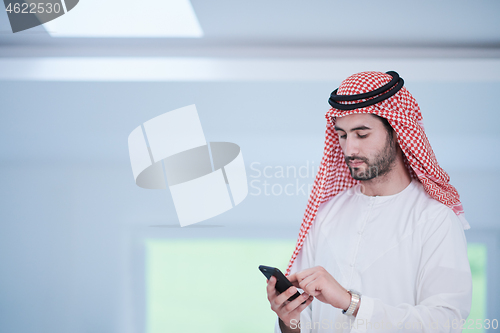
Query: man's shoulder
point(430, 213)
point(424, 202)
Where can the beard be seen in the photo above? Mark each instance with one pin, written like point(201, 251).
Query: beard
point(381, 164)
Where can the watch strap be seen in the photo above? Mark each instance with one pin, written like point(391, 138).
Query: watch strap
point(355, 298)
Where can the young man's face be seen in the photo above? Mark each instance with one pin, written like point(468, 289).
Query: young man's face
point(368, 148)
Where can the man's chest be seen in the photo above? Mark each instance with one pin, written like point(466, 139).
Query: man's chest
point(368, 245)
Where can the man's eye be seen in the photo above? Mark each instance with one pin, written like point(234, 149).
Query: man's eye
point(362, 136)
point(343, 136)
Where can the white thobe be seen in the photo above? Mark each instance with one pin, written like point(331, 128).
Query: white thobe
point(405, 253)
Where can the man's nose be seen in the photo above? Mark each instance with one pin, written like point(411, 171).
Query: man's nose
point(351, 147)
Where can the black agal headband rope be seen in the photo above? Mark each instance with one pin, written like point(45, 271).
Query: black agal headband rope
point(386, 91)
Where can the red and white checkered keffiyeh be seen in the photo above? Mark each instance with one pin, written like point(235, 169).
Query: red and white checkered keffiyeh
point(403, 113)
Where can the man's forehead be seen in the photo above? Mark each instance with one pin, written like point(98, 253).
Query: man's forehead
point(356, 119)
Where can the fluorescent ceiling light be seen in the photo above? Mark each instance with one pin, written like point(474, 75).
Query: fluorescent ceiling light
point(127, 18)
point(157, 69)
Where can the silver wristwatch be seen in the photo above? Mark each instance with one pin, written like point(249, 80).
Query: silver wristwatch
point(355, 298)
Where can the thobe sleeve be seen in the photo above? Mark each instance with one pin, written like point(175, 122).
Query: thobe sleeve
point(443, 287)
point(305, 259)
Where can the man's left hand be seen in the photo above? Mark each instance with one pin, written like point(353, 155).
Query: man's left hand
point(319, 283)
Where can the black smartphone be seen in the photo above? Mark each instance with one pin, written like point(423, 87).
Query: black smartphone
point(282, 283)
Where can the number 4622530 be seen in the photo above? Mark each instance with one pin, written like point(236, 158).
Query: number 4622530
point(33, 8)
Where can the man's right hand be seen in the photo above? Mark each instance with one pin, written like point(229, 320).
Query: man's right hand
point(288, 312)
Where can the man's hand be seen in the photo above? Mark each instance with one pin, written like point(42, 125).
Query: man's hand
point(319, 283)
point(288, 312)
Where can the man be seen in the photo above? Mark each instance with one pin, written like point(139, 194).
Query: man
point(382, 244)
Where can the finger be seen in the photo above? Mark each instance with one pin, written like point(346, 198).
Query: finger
point(291, 306)
point(272, 280)
point(284, 296)
point(309, 271)
point(299, 276)
point(301, 307)
point(293, 279)
point(309, 285)
point(271, 287)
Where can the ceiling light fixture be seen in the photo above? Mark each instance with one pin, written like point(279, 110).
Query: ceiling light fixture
point(128, 19)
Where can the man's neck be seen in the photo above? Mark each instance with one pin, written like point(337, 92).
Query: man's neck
point(391, 183)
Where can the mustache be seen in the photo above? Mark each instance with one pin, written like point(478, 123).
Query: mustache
point(355, 158)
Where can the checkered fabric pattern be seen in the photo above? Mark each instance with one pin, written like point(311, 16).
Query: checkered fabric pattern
point(403, 113)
